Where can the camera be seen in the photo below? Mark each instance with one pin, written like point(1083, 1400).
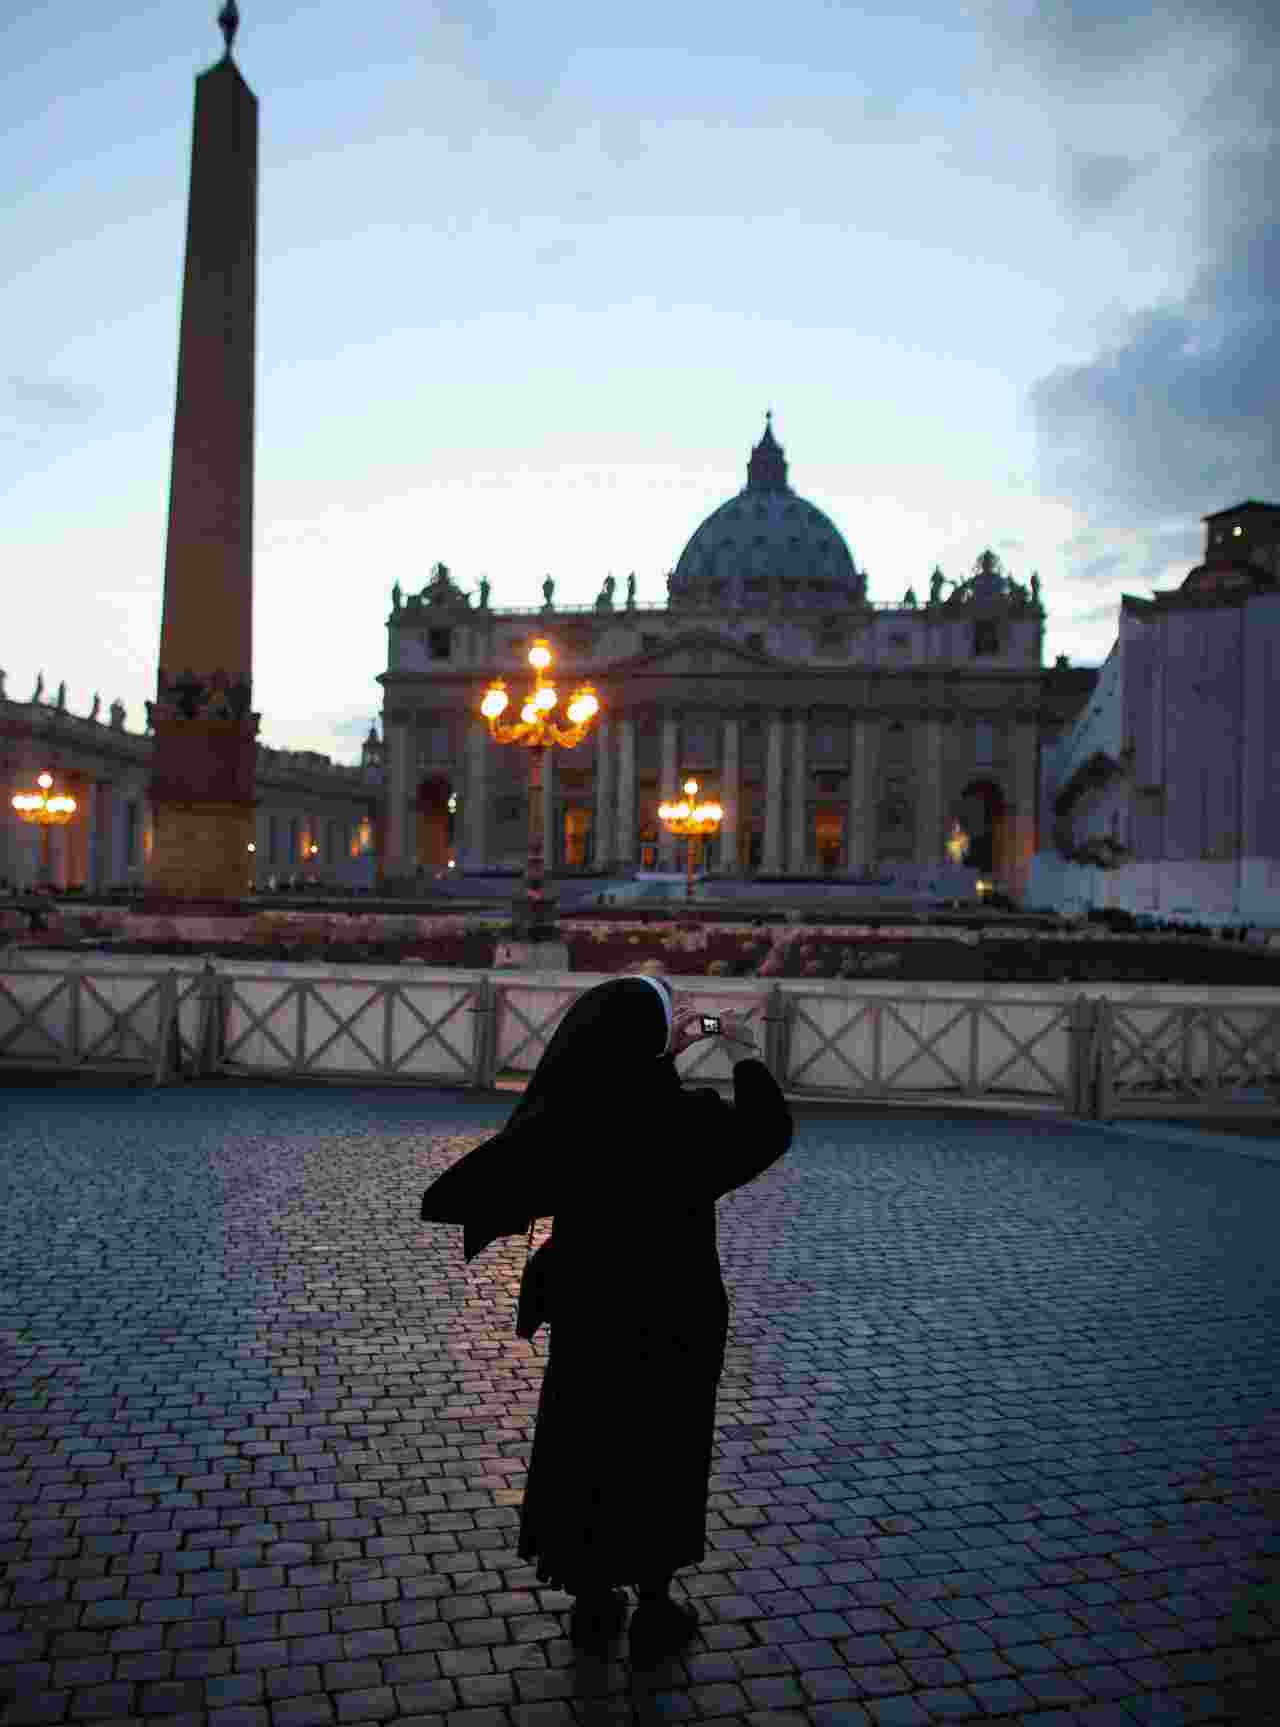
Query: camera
point(711, 1024)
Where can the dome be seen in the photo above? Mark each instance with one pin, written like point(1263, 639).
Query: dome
point(766, 542)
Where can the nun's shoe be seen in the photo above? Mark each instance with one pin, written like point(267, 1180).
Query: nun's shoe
point(661, 1628)
point(597, 1619)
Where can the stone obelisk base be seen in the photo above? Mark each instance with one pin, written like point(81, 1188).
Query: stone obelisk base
point(200, 858)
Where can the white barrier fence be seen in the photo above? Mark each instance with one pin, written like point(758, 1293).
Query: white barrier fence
point(1099, 1053)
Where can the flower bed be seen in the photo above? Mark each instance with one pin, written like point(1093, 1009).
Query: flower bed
point(912, 953)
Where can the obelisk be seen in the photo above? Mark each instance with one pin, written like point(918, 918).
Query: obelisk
point(205, 754)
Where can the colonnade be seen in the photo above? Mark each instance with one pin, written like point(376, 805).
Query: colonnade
point(788, 842)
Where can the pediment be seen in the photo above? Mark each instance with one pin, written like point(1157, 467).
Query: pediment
point(701, 653)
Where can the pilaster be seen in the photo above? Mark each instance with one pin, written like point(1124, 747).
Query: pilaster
point(605, 800)
point(626, 847)
point(401, 771)
point(730, 781)
point(771, 860)
point(864, 745)
point(798, 844)
point(475, 808)
point(928, 752)
point(668, 787)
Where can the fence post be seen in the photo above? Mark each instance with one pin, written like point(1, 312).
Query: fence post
point(167, 1054)
point(209, 1039)
point(75, 985)
point(482, 1013)
point(1078, 1072)
point(776, 1041)
point(1104, 1052)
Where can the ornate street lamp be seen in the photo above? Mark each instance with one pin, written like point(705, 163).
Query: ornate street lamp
point(957, 844)
point(692, 821)
point(49, 809)
point(538, 732)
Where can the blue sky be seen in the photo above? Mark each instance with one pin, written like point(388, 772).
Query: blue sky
point(530, 275)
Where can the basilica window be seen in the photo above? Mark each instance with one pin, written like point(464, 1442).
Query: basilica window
point(983, 740)
point(648, 644)
point(756, 640)
point(440, 644)
point(986, 636)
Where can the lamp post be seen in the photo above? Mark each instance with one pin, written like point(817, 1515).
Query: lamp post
point(49, 809)
point(538, 732)
point(692, 821)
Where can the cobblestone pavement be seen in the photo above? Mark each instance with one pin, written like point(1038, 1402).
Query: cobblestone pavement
point(999, 1429)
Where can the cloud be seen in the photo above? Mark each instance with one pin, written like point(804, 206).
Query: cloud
point(1176, 415)
point(42, 400)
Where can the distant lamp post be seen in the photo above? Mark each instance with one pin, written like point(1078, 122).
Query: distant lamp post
point(691, 821)
point(48, 809)
point(538, 732)
point(957, 844)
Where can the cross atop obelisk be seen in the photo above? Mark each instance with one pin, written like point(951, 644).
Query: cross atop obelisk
point(229, 23)
point(204, 763)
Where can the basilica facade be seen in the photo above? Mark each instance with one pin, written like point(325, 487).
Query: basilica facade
point(841, 736)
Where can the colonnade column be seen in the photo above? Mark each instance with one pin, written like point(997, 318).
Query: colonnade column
point(604, 816)
point(475, 805)
point(668, 787)
point(798, 846)
point(1021, 823)
point(728, 795)
point(398, 858)
point(864, 746)
point(626, 830)
point(771, 861)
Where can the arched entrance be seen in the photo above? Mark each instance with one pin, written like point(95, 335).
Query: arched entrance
point(980, 809)
point(433, 823)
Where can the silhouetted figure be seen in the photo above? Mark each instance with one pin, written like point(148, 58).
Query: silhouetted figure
point(608, 1142)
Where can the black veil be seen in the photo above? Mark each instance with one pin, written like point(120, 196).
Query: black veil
point(601, 1065)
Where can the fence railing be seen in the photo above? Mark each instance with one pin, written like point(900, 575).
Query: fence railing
point(1085, 1055)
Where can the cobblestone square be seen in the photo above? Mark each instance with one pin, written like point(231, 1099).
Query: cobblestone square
point(998, 1435)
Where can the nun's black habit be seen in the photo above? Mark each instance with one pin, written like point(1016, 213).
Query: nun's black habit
point(608, 1142)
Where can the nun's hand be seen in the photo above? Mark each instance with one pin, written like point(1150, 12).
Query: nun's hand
point(734, 1028)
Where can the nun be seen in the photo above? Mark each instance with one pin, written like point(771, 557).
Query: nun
point(629, 1164)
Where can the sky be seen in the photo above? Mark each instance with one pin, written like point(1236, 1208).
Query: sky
point(530, 275)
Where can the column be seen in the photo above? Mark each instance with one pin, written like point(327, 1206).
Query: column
point(771, 861)
point(668, 787)
point(730, 774)
point(798, 845)
point(604, 814)
point(552, 841)
point(401, 771)
point(626, 847)
point(102, 876)
point(864, 747)
point(1021, 821)
point(928, 751)
point(475, 805)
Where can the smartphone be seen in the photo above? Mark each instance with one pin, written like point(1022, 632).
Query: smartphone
point(711, 1024)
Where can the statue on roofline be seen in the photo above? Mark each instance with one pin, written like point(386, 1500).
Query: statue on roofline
point(631, 591)
point(1035, 587)
point(484, 593)
point(396, 596)
point(38, 693)
point(97, 703)
point(61, 699)
point(548, 594)
point(935, 586)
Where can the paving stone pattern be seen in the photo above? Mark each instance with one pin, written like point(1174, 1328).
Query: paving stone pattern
point(998, 1431)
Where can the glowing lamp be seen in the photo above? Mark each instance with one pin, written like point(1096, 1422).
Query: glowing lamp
point(495, 701)
point(545, 698)
point(529, 714)
point(540, 655)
